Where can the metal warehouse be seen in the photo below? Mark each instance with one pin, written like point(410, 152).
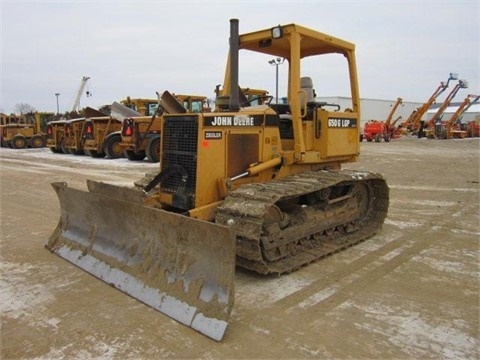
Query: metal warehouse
point(473, 112)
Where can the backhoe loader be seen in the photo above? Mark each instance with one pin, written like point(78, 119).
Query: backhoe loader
point(260, 187)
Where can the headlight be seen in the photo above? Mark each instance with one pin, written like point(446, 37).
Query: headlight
point(277, 32)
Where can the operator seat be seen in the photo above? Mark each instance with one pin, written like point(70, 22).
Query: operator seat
point(306, 85)
point(285, 119)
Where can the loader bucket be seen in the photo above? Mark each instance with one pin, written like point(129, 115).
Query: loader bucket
point(181, 266)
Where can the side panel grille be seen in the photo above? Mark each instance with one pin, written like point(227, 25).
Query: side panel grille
point(179, 150)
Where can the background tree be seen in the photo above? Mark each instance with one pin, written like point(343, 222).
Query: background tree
point(23, 108)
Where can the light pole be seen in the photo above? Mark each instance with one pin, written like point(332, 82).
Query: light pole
point(276, 62)
point(57, 95)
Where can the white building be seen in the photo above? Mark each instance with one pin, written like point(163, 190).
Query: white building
point(472, 113)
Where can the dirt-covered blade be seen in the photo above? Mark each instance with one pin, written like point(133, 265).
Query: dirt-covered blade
point(118, 192)
point(180, 266)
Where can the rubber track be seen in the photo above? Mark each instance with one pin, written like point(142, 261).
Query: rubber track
point(244, 210)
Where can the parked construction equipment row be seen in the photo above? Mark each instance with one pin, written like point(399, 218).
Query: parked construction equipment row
point(435, 127)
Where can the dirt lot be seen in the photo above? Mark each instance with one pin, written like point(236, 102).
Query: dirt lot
point(412, 291)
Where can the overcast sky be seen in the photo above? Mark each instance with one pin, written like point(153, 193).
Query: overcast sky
point(135, 48)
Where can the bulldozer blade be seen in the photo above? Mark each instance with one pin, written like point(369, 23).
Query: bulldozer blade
point(118, 192)
point(181, 266)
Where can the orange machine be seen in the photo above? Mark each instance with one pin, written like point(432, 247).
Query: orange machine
point(473, 128)
point(434, 127)
point(454, 128)
point(376, 130)
point(412, 124)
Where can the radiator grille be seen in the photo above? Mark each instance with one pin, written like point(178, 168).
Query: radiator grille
point(180, 148)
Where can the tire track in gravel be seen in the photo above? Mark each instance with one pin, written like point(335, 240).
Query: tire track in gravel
point(346, 282)
point(353, 278)
point(323, 283)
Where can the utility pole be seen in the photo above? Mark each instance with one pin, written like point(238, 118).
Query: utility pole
point(57, 95)
point(276, 62)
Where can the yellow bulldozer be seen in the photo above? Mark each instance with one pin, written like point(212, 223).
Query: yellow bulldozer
point(260, 187)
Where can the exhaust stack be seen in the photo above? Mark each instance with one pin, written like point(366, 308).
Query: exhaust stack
point(234, 102)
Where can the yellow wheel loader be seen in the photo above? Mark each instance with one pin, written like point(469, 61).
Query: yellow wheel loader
point(259, 187)
point(19, 132)
point(73, 141)
point(101, 137)
point(56, 136)
point(141, 134)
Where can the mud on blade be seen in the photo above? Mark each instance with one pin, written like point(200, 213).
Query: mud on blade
point(181, 266)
